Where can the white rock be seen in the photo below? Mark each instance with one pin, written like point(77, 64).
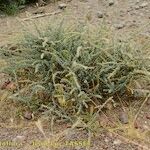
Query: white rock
point(19, 138)
point(62, 6)
point(119, 25)
point(106, 140)
point(137, 7)
point(117, 142)
point(111, 2)
point(100, 14)
point(144, 4)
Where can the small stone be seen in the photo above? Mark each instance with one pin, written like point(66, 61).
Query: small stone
point(62, 6)
point(106, 140)
point(129, 10)
point(122, 13)
point(136, 126)
point(123, 117)
point(119, 25)
point(111, 2)
point(137, 7)
point(28, 115)
point(144, 4)
point(11, 86)
point(148, 102)
point(148, 116)
point(100, 14)
point(145, 127)
point(117, 142)
point(13, 47)
point(19, 138)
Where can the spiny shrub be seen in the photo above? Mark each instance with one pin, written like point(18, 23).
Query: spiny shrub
point(67, 70)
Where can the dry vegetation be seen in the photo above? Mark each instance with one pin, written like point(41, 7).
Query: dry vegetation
point(70, 73)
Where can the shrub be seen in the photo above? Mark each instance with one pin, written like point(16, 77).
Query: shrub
point(12, 6)
point(68, 72)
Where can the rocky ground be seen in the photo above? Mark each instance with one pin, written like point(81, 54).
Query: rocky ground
point(127, 19)
point(124, 17)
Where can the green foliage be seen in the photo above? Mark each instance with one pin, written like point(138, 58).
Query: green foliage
point(69, 71)
point(10, 7)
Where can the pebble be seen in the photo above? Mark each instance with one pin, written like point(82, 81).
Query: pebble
point(100, 14)
point(19, 138)
point(148, 116)
point(123, 117)
point(145, 127)
point(137, 7)
point(129, 9)
point(111, 2)
point(136, 126)
point(106, 140)
point(28, 115)
point(117, 142)
point(119, 25)
point(144, 4)
point(62, 6)
point(148, 102)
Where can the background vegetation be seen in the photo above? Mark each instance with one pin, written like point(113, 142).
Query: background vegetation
point(12, 6)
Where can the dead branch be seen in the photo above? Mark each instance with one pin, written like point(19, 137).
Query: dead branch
point(41, 15)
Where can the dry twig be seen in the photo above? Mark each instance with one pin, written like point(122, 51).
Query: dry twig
point(41, 15)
